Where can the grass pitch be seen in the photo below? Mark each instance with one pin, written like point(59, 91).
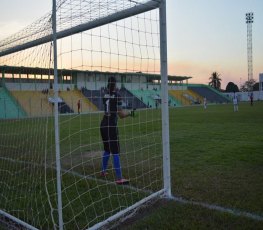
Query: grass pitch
point(216, 158)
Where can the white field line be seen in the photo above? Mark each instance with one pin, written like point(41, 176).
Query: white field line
point(234, 212)
point(75, 174)
point(105, 181)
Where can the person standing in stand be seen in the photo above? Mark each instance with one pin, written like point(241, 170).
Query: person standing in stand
point(78, 106)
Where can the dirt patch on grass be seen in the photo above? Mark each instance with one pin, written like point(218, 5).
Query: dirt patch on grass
point(88, 158)
point(136, 215)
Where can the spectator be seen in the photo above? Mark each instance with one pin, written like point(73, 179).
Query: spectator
point(205, 103)
point(235, 103)
point(251, 99)
point(78, 106)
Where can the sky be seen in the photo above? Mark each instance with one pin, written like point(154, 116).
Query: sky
point(203, 36)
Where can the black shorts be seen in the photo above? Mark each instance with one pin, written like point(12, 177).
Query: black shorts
point(109, 135)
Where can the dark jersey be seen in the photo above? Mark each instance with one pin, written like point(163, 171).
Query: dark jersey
point(112, 103)
point(108, 127)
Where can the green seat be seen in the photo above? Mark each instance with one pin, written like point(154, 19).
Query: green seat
point(9, 108)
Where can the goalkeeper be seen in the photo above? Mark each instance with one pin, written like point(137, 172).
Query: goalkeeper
point(109, 131)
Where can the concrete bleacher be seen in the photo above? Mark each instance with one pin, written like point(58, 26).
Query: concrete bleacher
point(64, 108)
point(181, 96)
point(195, 97)
point(211, 95)
point(37, 104)
point(186, 97)
point(34, 103)
point(173, 101)
point(130, 100)
point(153, 97)
point(9, 107)
point(94, 96)
point(148, 97)
point(72, 97)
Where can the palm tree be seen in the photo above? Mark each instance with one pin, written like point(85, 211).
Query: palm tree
point(215, 80)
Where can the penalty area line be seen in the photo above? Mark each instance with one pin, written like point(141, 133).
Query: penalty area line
point(181, 200)
point(104, 181)
point(74, 173)
point(234, 212)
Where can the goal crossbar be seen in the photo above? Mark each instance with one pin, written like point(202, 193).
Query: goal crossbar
point(133, 51)
point(138, 9)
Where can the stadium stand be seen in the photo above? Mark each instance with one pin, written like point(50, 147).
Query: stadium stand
point(9, 107)
point(64, 108)
point(72, 97)
point(94, 96)
point(62, 105)
point(173, 101)
point(194, 97)
point(148, 97)
point(152, 98)
point(34, 103)
point(130, 101)
point(211, 94)
point(182, 96)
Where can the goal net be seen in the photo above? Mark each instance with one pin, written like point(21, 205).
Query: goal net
point(54, 75)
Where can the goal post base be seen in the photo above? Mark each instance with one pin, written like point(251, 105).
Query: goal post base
point(17, 221)
point(123, 212)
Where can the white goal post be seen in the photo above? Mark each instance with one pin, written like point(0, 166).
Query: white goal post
point(57, 157)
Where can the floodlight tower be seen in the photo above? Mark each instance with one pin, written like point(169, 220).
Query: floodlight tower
point(249, 21)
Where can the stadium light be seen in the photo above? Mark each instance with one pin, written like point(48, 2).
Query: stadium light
point(249, 17)
point(249, 21)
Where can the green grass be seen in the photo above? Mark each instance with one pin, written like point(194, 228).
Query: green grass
point(216, 158)
point(173, 215)
point(27, 145)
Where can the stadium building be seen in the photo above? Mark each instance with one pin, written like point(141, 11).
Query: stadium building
point(27, 91)
point(261, 82)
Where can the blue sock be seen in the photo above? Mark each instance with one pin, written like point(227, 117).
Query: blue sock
point(117, 165)
point(105, 159)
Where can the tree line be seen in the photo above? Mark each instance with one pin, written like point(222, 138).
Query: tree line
point(215, 82)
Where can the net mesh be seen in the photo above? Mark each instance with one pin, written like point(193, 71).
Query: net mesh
point(129, 50)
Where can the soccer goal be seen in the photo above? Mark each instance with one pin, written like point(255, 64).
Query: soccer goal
point(54, 75)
